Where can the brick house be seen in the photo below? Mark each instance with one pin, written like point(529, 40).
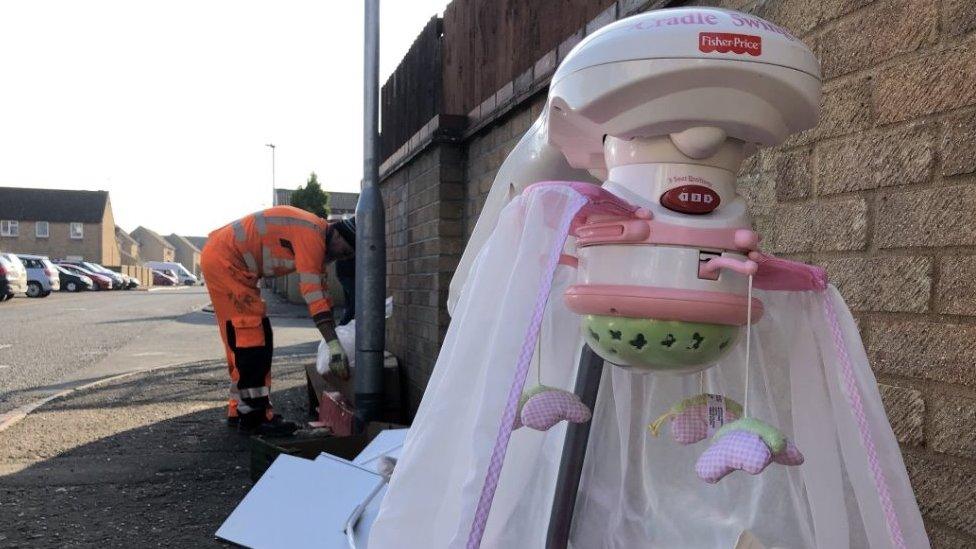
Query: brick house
point(153, 247)
point(59, 224)
point(186, 253)
point(128, 247)
point(282, 197)
point(882, 192)
point(341, 205)
point(198, 241)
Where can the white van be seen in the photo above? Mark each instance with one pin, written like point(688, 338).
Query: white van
point(184, 276)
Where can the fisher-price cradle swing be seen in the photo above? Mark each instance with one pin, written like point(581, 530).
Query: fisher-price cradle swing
point(751, 365)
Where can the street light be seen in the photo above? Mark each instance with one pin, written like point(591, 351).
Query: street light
point(274, 193)
point(370, 242)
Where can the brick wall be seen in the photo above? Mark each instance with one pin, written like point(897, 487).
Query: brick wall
point(109, 253)
point(882, 193)
point(424, 202)
point(486, 151)
point(58, 244)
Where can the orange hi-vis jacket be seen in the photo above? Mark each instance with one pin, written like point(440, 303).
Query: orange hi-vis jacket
point(279, 241)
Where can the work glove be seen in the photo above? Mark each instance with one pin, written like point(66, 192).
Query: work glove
point(338, 363)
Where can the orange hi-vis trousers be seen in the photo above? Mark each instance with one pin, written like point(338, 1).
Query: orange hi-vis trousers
point(244, 329)
point(273, 242)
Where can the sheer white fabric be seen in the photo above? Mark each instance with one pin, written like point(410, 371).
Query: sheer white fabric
point(637, 490)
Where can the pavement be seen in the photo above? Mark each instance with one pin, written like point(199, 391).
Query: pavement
point(134, 450)
point(141, 461)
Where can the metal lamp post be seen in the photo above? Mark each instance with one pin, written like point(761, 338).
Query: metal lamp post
point(370, 242)
point(274, 192)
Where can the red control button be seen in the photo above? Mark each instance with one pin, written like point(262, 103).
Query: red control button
point(690, 199)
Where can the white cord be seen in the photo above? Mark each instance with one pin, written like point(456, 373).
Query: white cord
point(701, 382)
point(745, 399)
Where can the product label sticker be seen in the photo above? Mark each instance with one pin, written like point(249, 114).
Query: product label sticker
point(729, 42)
point(716, 413)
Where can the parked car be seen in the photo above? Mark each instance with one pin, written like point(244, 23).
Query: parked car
point(42, 277)
point(116, 278)
point(131, 282)
point(73, 282)
point(13, 276)
point(181, 272)
point(128, 282)
point(161, 278)
point(101, 282)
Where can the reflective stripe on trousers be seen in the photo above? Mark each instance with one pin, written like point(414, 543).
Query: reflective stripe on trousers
point(235, 395)
point(313, 296)
point(254, 392)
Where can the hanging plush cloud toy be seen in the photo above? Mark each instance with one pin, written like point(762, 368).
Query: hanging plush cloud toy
point(696, 418)
point(543, 408)
point(746, 445)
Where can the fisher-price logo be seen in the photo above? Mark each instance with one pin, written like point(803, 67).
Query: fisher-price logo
point(725, 42)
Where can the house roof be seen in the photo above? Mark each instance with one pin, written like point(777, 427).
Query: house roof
point(179, 241)
point(142, 232)
point(343, 201)
point(124, 236)
point(198, 241)
point(132, 260)
point(54, 205)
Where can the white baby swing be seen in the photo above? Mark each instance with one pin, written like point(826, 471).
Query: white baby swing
point(751, 364)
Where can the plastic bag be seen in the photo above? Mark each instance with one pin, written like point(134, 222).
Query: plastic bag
point(347, 338)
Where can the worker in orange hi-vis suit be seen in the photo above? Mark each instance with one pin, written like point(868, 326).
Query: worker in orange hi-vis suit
point(273, 242)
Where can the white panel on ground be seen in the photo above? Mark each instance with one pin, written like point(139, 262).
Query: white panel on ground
point(387, 443)
point(308, 502)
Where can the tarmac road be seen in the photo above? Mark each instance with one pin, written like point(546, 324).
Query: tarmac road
point(142, 461)
point(65, 340)
point(137, 460)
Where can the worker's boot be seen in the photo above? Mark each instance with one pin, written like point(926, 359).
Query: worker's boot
point(256, 423)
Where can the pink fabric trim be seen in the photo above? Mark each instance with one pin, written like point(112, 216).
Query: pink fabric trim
point(857, 409)
point(782, 274)
point(599, 202)
point(661, 303)
point(521, 371)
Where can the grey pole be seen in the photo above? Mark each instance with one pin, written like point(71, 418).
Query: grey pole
point(370, 242)
point(274, 193)
point(574, 453)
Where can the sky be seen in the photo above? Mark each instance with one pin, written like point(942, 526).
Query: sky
point(168, 105)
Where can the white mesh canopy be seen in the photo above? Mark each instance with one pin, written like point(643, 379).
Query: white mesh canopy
point(637, 490)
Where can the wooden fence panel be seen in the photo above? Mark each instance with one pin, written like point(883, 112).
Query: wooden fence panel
point(479, 46)
point(487, 43)
point(413, 93)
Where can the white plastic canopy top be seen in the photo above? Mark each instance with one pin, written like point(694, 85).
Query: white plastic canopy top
point(809, 377)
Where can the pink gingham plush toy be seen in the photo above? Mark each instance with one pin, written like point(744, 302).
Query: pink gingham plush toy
point(543, 407)
point(696, 418)
point(749, 445)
